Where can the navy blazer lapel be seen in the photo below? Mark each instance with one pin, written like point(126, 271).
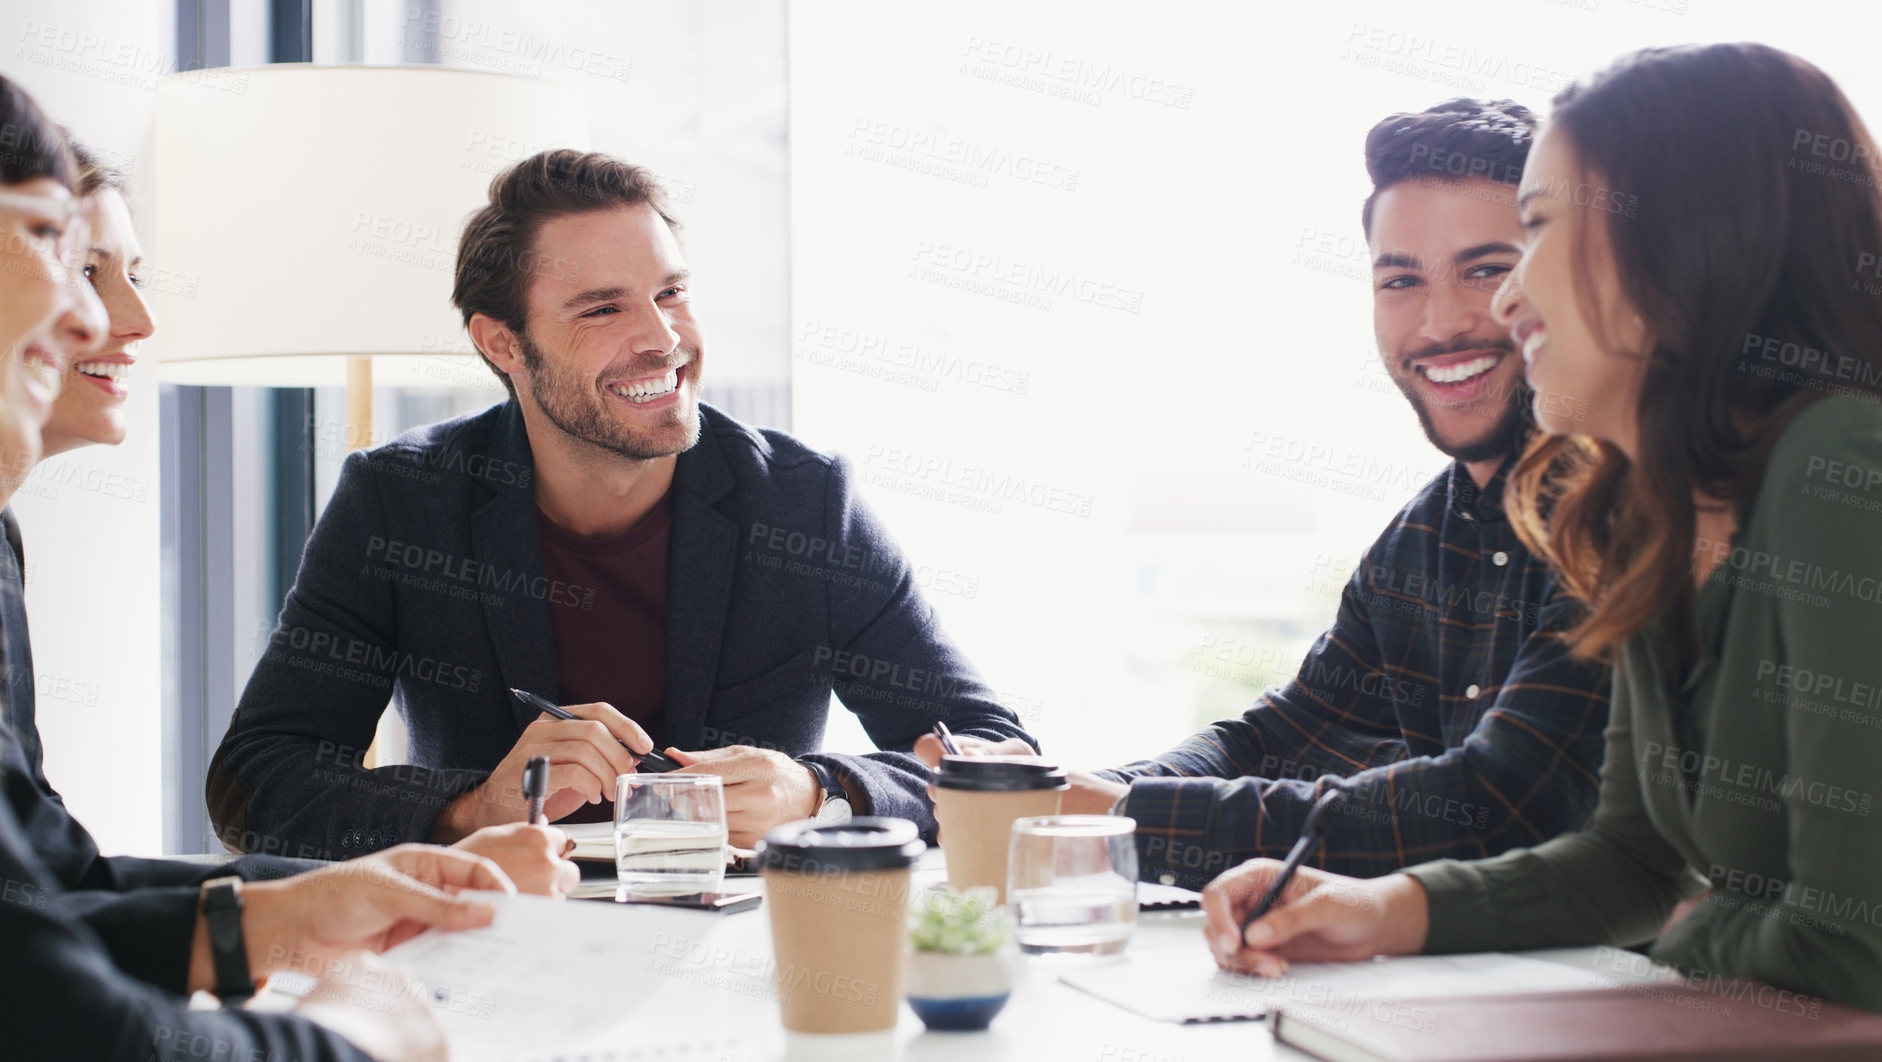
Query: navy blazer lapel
point(701, 556)
point(504, 538)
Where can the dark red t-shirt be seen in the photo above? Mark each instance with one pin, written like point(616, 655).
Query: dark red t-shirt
point(615, 648)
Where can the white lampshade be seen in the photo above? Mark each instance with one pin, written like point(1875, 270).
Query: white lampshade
point(305, 215)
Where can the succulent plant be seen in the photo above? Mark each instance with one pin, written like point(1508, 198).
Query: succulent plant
point(956, 923)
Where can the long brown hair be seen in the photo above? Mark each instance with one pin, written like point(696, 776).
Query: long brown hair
point(1757, 206)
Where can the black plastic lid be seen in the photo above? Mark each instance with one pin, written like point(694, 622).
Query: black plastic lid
point(809, 847)
point(999, 773)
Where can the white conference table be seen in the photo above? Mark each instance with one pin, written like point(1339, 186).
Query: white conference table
point(698, 1011)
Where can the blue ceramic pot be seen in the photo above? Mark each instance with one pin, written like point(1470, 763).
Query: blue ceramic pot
point(958, 993)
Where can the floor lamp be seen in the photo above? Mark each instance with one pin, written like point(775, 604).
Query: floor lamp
point(306, 218)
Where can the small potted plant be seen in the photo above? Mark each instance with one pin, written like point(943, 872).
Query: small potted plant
point(960, 969)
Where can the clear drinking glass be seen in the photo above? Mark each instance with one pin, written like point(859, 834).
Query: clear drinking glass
point(1071, 881)
point(669, 833)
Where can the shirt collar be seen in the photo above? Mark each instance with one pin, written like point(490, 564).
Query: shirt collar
point(1483, 504)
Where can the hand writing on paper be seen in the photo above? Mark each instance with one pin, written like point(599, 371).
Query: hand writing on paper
point(532, 856)
point(1321, 917)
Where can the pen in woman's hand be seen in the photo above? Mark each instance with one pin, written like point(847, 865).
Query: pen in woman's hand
point(1309, 834)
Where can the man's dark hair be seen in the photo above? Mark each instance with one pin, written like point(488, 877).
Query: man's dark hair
point(30, 145)
point(1453, 141)
point(496, 255)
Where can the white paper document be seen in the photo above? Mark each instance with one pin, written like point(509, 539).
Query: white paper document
point(1184, 985)
point(545, 973)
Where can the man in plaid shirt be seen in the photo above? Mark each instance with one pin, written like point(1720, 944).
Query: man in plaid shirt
point(1443, 698)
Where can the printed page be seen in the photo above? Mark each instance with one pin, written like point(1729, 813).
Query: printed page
point(544, 975)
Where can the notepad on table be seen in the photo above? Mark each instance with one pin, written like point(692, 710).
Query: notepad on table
point(594, 843)
point(593, 840)
point(1183, 985)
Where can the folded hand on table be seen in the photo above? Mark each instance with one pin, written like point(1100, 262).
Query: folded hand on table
point(763, 788)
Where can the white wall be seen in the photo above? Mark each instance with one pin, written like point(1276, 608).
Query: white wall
point(90, 518)
point(694, 90)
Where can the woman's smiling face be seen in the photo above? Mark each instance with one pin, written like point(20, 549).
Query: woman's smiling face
point(90, 408)
point(1583, 344)
point(48, 318)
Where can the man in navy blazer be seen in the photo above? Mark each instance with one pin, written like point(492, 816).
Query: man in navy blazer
point(672, 577)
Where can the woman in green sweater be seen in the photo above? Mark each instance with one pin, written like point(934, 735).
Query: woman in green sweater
point(1699, 308)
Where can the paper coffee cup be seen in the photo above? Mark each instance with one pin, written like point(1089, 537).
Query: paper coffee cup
point(977, 799)
point(838, 901)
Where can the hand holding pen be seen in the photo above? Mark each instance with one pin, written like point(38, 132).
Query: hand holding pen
point(1309, 836)
point(651, 762)
point(588, 747)
point(536, 787)
point(1267, 911)
point(940, 741)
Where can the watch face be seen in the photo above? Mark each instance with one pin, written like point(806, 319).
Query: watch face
point(835, 809)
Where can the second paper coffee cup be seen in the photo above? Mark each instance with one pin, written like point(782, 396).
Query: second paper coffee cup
point(977, 799)
point(838, 899)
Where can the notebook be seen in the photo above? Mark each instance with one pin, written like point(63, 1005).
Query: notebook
point(1722, 1021)
point(593, 840)
point(594, 843)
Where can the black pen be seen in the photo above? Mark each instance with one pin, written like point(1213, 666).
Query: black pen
point(947, 738)
point(536, 786)
point(651, 762)
point(1309, 833)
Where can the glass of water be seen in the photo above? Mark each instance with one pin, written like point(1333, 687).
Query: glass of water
point(669, 833)
point(1072, 883)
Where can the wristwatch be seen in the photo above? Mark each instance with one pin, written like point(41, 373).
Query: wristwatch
point(228, 948)
point(835, 807)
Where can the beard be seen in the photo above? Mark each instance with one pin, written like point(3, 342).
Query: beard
point(1502, 436)
point(572, 405)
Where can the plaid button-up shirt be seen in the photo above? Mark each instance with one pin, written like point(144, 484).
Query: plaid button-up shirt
point(1443, 695)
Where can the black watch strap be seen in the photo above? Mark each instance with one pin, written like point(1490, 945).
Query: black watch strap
point(228, 948)
point(826, 778)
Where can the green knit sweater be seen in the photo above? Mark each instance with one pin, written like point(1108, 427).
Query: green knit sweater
point(1755, 773)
